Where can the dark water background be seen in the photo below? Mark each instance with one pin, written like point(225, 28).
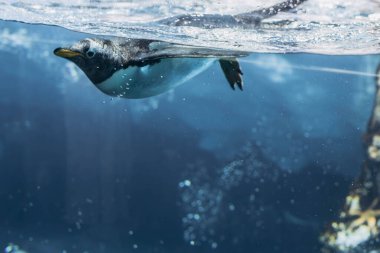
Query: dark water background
point(199, 169)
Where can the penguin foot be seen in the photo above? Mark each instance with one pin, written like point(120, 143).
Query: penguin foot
point(232, 72)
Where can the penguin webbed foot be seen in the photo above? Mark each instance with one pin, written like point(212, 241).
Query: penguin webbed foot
point(232, 72)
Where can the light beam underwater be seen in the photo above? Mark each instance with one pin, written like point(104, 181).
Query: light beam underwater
point(312, 68)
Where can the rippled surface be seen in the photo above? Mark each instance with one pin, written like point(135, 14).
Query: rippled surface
point(317, 26)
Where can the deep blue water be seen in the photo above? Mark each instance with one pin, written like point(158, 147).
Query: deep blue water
point(81, 172)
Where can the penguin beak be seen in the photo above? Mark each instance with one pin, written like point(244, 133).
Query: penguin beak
point(66, 53)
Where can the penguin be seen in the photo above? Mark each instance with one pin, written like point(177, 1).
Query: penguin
point(140, 68)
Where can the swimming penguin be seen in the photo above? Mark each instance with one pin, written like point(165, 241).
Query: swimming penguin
point(139, 68)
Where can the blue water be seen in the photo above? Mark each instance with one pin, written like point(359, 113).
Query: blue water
point(199, 169)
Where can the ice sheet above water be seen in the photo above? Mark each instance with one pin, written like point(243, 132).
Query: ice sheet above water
point(317, 26)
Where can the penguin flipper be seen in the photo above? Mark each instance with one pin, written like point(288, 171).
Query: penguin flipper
point(232, 72)
point(157, 50)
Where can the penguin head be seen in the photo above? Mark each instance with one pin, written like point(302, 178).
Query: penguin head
point(95, 57)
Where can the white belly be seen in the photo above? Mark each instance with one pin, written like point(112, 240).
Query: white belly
point(141, 82)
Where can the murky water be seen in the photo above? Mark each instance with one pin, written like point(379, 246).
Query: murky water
point(201, 168)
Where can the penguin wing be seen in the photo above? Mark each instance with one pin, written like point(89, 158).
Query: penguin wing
point(162, 50)
point(156, 50)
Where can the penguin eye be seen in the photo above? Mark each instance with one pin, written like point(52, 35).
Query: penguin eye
point(90, 54)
